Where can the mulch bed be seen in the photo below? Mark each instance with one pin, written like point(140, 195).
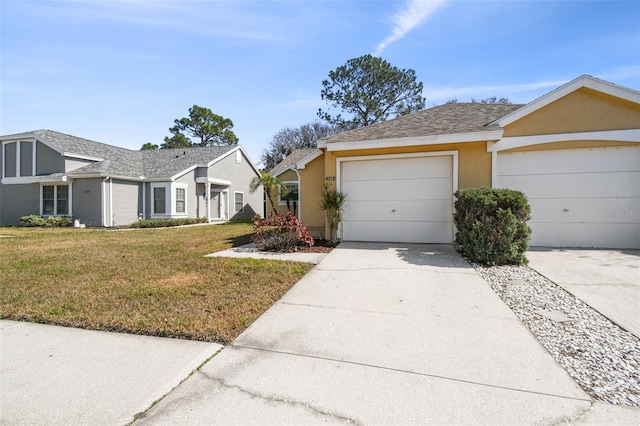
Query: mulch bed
point(320, 246)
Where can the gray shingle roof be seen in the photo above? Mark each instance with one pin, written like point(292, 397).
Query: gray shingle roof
point(158, 164)
point(291, 159)
point(440, 120)
point(161, 163)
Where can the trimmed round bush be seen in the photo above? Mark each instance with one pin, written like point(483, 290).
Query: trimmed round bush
point(492, 225)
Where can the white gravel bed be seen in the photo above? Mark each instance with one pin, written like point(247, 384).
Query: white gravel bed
point(600, 356)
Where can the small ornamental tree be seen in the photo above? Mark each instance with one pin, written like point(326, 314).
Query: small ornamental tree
point(491, 225)
point(270, 185)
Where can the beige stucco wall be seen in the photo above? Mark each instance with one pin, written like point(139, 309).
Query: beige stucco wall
point(310, 189)
point(584, 110)
point(474, 162)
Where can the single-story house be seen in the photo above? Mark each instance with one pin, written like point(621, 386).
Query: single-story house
point(574, 152)
point(53, 174)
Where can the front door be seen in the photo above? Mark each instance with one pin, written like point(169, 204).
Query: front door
point(214, 205)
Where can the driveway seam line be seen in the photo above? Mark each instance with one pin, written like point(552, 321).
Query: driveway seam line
point(287, 401)
point(417, 373)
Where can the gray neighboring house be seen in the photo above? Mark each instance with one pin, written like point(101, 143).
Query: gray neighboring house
point(53, 174)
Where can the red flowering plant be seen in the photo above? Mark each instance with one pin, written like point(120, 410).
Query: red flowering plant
point(280, 233)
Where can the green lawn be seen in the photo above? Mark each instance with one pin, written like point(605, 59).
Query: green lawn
point(152, 281)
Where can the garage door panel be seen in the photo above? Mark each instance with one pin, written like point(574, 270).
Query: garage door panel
point(578, 197)
point(380, 170)
point(615, 210)
point(400, 199)
point(408, 210)
point(583, 185)
point(398, 189)
point(569, 161)
point(585, 235)
point(405, 232)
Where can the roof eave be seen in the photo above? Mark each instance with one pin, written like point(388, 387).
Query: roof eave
point(480, 136)
point(584, 81)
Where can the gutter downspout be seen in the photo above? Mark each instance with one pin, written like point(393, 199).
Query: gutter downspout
point(144, 200)
point(207, 201)
point(104, 201)
point(111, 201)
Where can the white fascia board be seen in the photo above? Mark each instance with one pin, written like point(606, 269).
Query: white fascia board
point(23, 137)
point(302, 163)
point(107, 175)
point(34, 179)
point(221, 182)
point(487, 135)
point(284, 170)
point(631, 135)
point(183, 172)
point(81, 156)
point(580, 82)
point(321, 143)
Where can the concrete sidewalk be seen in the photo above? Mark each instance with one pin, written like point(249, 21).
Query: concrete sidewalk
point(53, 375)
point(381, 334)
point(250, 251)
point(607, 280)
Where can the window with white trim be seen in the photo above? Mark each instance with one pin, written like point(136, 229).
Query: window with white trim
point(169, 199)
point(239, 201)
point(288, 191)
point(54, 200)
point(159, 200)
point(181, 200)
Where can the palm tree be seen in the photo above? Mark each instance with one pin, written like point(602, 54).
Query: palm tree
point(269, 183)
point(331, 201)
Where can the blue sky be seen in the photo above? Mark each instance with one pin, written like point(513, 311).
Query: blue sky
point(120, 72)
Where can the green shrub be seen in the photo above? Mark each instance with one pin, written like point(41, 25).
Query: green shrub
point(164, 223)
point(51, 221)
point(491, 225)
point(280, 233)
point(33, 220)
point(59, 221)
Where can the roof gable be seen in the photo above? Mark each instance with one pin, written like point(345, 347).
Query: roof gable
point(584, 81)
point(291, 160)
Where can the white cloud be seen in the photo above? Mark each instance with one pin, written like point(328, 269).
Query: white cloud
point(411, 16)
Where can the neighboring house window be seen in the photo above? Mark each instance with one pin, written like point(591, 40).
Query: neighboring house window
point(159, 200)
point(62, 199)
point(289, 191)
point(169, 199)
point(48, 199)
point(239, 201)
point(238, 156)
point(55, 200)
point(181, 201)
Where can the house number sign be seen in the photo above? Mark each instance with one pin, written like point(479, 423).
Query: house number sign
point(330, 178)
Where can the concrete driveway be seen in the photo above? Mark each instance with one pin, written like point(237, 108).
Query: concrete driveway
point(607, 280)
point(381, 334)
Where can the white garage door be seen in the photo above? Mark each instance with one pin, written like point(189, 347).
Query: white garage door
point(578, 197)
point(125, 197)
point(398, 199)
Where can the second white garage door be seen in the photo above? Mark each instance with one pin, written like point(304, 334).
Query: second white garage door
point(578, 197)
point(405, 199)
